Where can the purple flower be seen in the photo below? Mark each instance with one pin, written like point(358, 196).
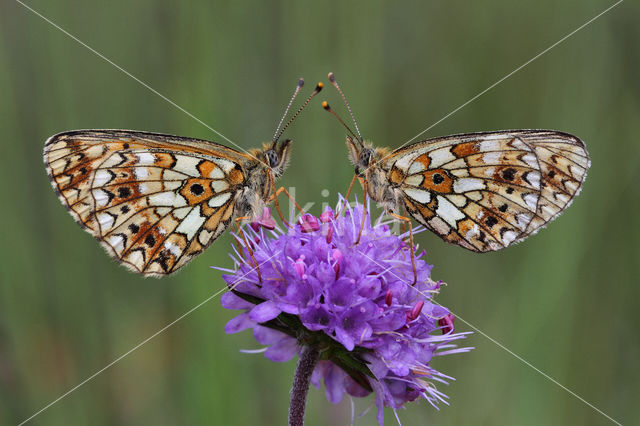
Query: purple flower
point(355, 303)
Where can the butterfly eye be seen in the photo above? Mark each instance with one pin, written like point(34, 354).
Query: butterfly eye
point(272, 157)
point(365, 157)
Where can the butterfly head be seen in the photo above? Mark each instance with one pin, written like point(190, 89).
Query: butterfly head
point(363, 155)
point(276, 156)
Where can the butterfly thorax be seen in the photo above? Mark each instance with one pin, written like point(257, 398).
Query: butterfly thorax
point(387, 196)
point(259, 186)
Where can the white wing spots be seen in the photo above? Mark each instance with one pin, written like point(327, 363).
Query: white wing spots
point(226, 165)
point(447, 211)
point(419, 195)
point(187, 165)
point(141, 172)
point(474, 196)
point(143, 188)
point(181, 213)
point(473, 232)
point(404, 162)
point(549, 211)
point(173, 248)
point(531, 160)
point(219, 200)
point(468, 184)
point(101, 197)
point(216, 173)
point(519, 144)
point(204, 237)
point(508, 237)
point(414, 180)
point(416, 167)
point(162, 211)
point(106, 220)
point(460, 172)
point(489, 145)
point(439, 225)
point(135, 257)
point(533, 178)
point(103, 177)
point(572, 185)
point(172, 175)
point(564, 198)
point(489, 172)
point(523, 219)
point(167, 198)
point(458, 200)
point(192, 223)
point(145, 158)
point(117, 242)
point(440, 156)
point(219, 185)
point(491, 157)
point(531, 199)
point(113, 160)
point(460, 163)
point(172, 185)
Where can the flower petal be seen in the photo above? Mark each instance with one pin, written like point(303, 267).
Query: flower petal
point(239, 323)
point(283, 350)
point(264, 312)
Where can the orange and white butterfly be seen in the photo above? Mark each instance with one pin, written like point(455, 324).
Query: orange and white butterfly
point(156, 201)
point(481, 191)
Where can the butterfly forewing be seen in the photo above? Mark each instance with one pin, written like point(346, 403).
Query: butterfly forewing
point(485, 191)
point(154, 201)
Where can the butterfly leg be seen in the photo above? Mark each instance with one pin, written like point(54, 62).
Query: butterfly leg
point(346, 197)
point(247, 245)
point(364, 211)
point(406, 220)
point(276, 193)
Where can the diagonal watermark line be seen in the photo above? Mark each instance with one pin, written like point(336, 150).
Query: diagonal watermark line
point(500, 345)
point(143, 342)
point(504, 78)
point(545, 375)
point(76, 39)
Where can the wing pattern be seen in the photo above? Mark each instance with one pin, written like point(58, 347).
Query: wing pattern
point(486, 191)
point(153, 201)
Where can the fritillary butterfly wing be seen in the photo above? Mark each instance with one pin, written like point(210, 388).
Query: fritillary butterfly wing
point(486, 191)
point(154, 201)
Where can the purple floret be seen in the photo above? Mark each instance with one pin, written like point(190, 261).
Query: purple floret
point(314, 279)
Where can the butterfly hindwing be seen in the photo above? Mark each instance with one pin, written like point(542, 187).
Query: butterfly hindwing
point(485, 191)
point(154, 201)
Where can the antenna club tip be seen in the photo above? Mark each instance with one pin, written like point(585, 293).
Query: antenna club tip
point(301, 82)
point(325, 105)
point(319, 86)
point(332, 78)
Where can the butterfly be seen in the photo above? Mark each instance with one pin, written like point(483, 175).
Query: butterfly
point(155, 201)
point(482, 191)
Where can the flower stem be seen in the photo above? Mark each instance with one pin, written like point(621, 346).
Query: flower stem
point(306, 363)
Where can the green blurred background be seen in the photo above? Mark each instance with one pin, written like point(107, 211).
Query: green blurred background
point(566, 300)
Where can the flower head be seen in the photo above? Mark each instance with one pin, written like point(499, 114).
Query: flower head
point(315, 286)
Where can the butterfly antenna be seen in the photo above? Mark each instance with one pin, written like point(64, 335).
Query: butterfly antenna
point(317, 90)
point(332, 79)
point(286, 111)
point(326, 106)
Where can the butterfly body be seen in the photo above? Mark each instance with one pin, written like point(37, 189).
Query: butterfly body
point(482, 191)
point(155, 201)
